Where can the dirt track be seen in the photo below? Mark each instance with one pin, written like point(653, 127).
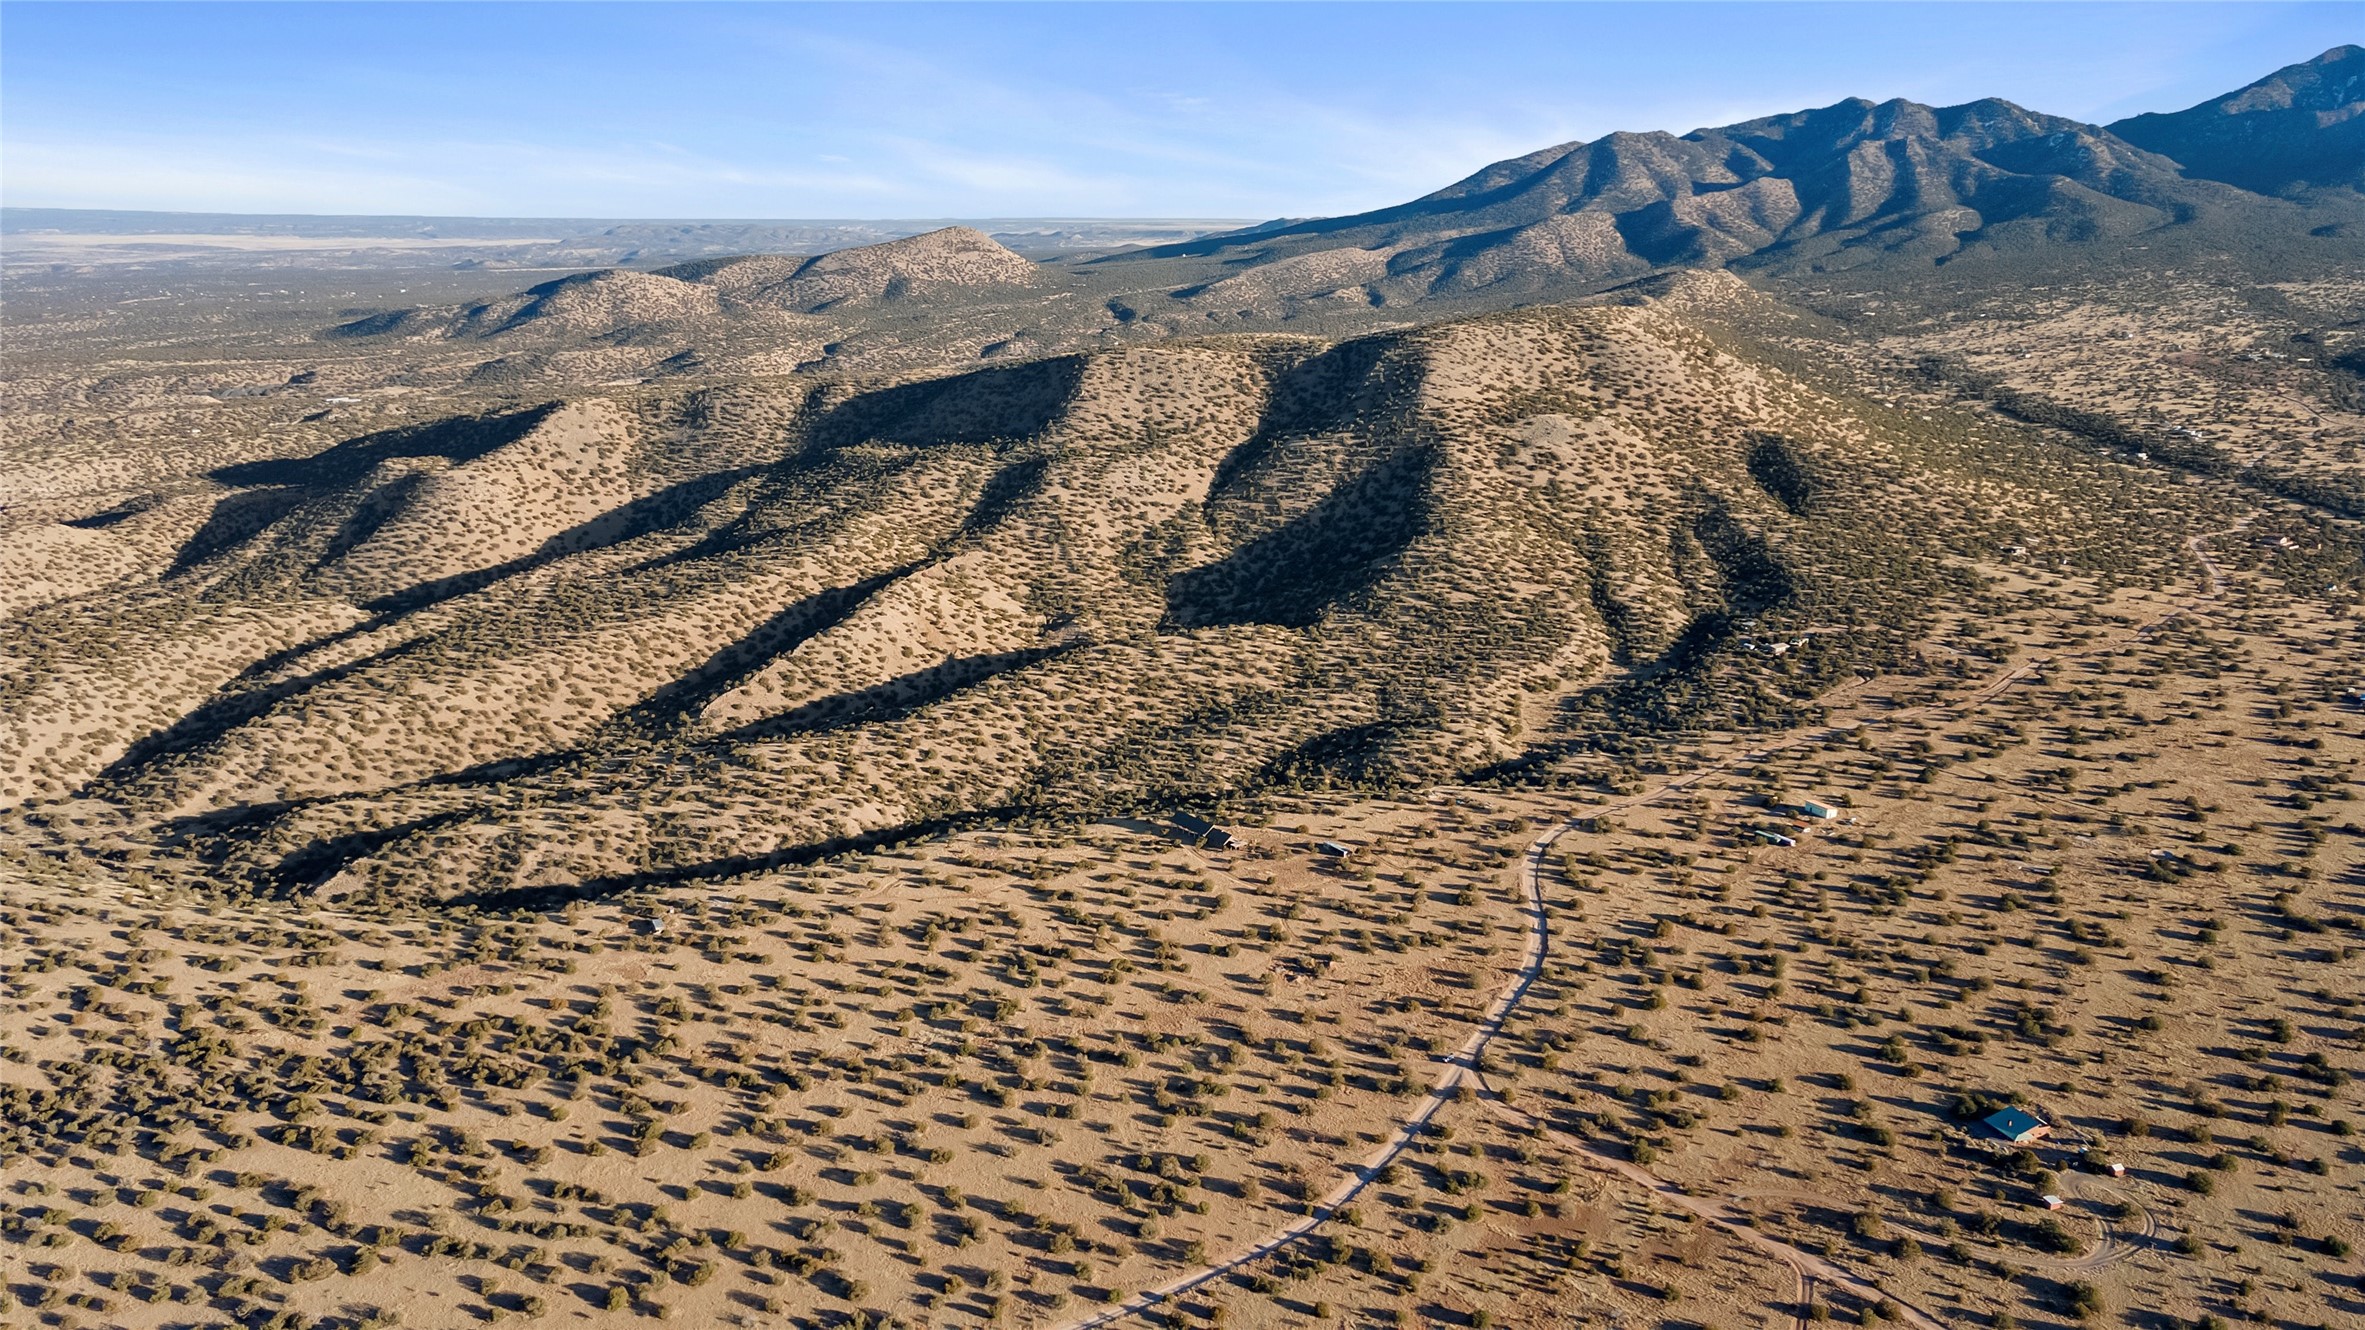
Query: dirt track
point(1461, 1066)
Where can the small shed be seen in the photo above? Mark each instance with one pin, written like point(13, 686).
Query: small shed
point(2052, 1202)
point(1821, 812)
point(2018, 1125)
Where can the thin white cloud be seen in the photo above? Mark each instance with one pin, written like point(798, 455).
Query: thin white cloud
point(314, 174)
point(980, 111)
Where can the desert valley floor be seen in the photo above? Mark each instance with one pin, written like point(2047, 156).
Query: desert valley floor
point(2098, 858)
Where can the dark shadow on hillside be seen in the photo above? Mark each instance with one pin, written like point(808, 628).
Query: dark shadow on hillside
point(667, 507)
point(1000, 405)
point(321, 860)
point(897, 697)
point(235, 519)
point(1358, 755)
point(1339, 548)
point(1628, 631)
point(228, 820)
point(1780, 471)
point(805, 486)
point(1007, 488)
point(369, 517)
point(1322, 394)
point(101, 521)
point(370, 325)
point(1752, 579)
point(222, 713)
point(551, 898)
point(460, 439)
point(678, 702)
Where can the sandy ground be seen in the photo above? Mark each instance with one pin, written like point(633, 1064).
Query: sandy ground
point(919, 1082)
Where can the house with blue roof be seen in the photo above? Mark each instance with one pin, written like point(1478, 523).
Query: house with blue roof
point(2018, 1125)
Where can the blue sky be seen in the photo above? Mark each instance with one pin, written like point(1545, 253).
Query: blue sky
point(979, 110)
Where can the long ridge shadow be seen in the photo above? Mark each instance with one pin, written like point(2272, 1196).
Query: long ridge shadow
point(997, 405)
point(302, 870)
point(220, 714)
point(1340, 547)
point(1751, 579)
point(266, 491)
point(369, 517)
point(537, 899)
point(662, 710)
point(237, 517)
point(640, 517)
point(1321, 394)
point(113, 516)
point(1001, 495)
point(225, 820)
point(897, 697)
point(1754, 578)
point(744, 532)
point(459, 439)
point(627, 521)
point(671, 706)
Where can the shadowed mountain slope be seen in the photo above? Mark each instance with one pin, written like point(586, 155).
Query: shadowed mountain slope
point(2301, 126)
point(1843, 186)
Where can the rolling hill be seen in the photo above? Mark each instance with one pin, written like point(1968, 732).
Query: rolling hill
point(748, 557)
point(622, 303)
point(667, 630)
point(1722, 660)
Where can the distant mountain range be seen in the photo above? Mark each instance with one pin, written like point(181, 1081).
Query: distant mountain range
point(1844, 186)
point(1882, 191)
point(2300, 127)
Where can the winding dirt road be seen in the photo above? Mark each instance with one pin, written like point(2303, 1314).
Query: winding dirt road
point(1461, 1067)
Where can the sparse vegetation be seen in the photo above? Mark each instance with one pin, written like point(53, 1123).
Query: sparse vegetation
point(740, 845)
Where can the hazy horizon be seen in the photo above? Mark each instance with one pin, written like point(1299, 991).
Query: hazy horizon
point(11, 214)
point(779, 112)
